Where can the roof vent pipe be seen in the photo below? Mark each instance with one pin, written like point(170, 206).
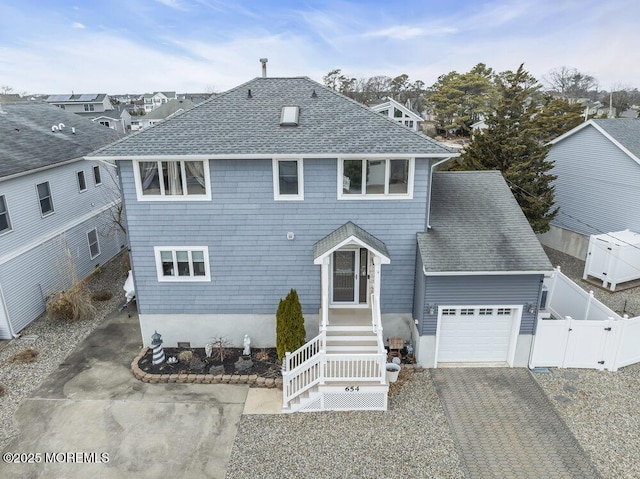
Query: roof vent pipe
point(264, 67)
point(249, 95)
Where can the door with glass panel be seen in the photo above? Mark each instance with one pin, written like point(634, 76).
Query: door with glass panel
point(349, 277)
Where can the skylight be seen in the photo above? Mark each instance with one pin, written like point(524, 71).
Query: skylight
point(289, 116)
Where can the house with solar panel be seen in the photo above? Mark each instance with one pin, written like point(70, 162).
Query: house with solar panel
point(282, 183)
point(54, 206)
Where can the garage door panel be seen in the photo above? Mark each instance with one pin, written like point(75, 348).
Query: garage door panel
point(474, 338)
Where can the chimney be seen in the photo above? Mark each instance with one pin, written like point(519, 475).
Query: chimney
point(264, 67)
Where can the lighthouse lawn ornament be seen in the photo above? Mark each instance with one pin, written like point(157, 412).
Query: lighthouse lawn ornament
point(158, 352)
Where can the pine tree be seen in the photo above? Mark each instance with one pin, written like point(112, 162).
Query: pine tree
point(510, 145)
point(290, 332)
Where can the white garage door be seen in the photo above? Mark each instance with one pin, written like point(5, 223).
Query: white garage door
point(475, 334)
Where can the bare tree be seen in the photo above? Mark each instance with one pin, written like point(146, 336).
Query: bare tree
point(570, 83)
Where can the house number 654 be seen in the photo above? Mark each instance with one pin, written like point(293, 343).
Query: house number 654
point(351, 389)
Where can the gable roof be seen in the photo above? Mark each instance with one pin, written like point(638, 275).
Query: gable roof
point(391, 102)
point(622, 132)
point(28, 142)
point(478, 227)
point(167, 109)
point(80, 98)
point(347, 232)
point(236, 123)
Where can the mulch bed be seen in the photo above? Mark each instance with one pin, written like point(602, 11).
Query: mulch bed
point(264, 363)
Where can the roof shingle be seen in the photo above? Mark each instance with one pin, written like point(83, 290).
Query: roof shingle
point(477, 226)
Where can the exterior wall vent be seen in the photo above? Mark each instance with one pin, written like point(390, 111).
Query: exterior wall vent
point(289, 116)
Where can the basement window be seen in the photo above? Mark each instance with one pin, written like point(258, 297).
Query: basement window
point(289, 116)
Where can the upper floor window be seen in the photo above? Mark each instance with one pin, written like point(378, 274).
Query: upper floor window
point(182, 263)
point(88, 107)
point(44, 196)
point(5, 222)
point(172, 180)
point(105, 123)
point(97, 175)
point(375, 178)
point(288, 179)
point(82, 183)
point(94, 244)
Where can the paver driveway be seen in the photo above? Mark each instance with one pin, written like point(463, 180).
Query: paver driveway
point(505, 427)
point(93, 404)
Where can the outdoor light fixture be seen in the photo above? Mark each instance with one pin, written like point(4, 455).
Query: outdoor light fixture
point(432, 308)
point(530, 308)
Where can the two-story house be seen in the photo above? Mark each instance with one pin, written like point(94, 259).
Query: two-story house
point(157, 99)
point(282, 183)
point(53, 204)
point(399, 113)
point(81, 103)
point(160, 114)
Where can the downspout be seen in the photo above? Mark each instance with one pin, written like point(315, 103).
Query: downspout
point(6, 315)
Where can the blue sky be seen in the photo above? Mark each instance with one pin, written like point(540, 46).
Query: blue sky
point(118, 46)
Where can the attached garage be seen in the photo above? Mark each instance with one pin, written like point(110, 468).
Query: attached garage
point(486, 334)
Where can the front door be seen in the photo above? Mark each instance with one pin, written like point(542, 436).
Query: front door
point(349, 276)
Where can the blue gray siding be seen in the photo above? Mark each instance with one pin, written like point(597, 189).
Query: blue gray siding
point(32, 255)
point(252, 263)
point(481, 290)
point(597, 186)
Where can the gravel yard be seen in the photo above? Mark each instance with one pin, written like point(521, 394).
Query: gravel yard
point(54, 341)
point(600, 407)
point(411, 439)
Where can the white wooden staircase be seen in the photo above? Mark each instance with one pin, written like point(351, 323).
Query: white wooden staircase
point(341, 369)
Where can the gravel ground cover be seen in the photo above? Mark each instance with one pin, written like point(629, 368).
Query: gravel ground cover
point(411, 439)
point(601, 408)
point(54, 341)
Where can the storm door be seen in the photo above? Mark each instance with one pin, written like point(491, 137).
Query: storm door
point(349, 276)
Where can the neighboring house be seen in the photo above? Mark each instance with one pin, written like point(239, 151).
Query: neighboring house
point(160, 114)
point(53, 206)
point(84, 103)
point(598, 185)
point(282, 183)
point(479, 126)
point(399, 113)
point(118, 119)
point(156, 99)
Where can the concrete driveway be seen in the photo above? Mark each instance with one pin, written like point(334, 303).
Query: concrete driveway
point(92, 418)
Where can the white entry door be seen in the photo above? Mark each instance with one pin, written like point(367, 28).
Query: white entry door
point(476, 334)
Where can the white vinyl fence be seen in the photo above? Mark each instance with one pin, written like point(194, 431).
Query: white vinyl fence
point(586, 333)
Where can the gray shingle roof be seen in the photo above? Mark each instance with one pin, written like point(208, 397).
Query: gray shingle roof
point(233, 123)
point(348, 230)
point(625, 130)
point(27, 142)
point(477, 226)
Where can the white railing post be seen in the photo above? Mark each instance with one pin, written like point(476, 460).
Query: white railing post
point(589, 300)
point(322, 367)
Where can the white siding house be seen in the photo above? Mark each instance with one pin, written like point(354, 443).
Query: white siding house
point(53, 205)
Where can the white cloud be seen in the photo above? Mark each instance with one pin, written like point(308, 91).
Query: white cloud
point(78, 26)
point(175, 4)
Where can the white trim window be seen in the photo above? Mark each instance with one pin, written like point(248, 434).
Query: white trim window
point(375, 178)
point(5, 221)
point(97, 175)
point(173, 180)
point(182, 263)
point(44, 198)
point(94, 243)
point(288, 179)
point(82, 182)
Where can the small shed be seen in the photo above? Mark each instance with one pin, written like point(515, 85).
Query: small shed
point(613, 258)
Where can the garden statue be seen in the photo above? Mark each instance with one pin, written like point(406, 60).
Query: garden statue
point(208, 349)
point(172, 360)
point(247, 346)
point(158, 352)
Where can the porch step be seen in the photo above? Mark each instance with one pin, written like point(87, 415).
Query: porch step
point(352, 338)
point(350, 348)
point(346, 328)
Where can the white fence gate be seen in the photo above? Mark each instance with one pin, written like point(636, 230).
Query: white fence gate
point(589, 335)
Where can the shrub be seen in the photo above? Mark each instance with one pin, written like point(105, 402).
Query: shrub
point(185, 356)
point(102, 295)
point(71, 305)
point(25, 357)
point(290, 333)
point(262, 355)
point(220, 348)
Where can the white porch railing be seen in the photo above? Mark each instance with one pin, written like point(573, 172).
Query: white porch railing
point(311, 365)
